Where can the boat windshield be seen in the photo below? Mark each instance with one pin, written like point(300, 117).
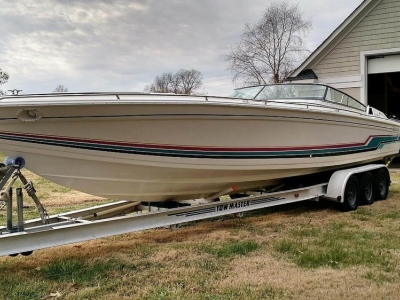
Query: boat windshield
point(297, 91)
point(246, 93)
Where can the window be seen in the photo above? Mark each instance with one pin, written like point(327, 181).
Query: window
point(246, 93)
point(334, 95)
point(292, 91)
point(297, 91)
point(354, 103)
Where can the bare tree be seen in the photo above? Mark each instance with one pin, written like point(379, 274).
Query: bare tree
point(182, 82)
point(165, 83)
point(60, 89)
point(189, 80)
point(270, 49)
point(3, 79)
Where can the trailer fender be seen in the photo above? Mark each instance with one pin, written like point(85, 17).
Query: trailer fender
point(337, 182)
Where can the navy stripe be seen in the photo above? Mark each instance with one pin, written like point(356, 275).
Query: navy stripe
point(373, 144)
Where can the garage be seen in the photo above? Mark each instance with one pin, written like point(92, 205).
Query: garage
point(383, 84)
point(361, 57)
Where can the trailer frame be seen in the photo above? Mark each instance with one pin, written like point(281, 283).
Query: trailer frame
point(125, 216)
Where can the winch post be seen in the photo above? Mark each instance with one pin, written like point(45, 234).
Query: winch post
point(13, 171)
point(20, 209)
point(9, 209)
point(8, 193)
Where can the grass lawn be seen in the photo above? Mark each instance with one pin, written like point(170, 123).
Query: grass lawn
point(299, 251)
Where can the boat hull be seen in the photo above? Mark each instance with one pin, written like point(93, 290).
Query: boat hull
point(175, 151)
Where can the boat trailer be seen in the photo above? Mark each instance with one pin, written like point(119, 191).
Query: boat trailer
point(127, 216)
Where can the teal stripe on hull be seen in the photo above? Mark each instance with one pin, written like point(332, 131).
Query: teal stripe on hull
point(373, 144)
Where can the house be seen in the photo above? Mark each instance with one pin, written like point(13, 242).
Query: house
point(361, 57)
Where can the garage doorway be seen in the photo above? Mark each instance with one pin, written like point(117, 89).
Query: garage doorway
point(384, 93)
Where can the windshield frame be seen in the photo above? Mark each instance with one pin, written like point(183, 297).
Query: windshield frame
point(237, 93)
point(363, 107)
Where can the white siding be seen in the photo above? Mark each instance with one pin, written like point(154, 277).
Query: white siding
point(378, 30)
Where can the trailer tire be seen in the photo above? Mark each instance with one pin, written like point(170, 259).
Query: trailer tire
point(367, 188)
point(382, 184)
point(351, 194)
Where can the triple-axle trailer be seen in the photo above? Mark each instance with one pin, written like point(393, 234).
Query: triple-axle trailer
point(348, 187)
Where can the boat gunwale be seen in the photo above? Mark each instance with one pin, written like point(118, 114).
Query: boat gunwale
point(271, 104)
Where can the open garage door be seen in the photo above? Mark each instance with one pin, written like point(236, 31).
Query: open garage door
point(384, 84)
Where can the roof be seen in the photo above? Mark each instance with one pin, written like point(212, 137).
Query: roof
point(337, 35)
point(304, 74)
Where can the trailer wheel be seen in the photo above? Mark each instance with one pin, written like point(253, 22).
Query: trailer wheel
point(382, 184)
point(367, 188)
point(351, 195)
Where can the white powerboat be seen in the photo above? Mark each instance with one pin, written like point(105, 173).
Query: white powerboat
point(159, 147)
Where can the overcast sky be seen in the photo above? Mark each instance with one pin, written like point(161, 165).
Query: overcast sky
point(91, 45)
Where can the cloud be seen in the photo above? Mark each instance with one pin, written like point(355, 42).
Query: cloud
point(122, 45)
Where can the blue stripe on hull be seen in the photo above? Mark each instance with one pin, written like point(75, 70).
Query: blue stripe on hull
point(373, 144)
